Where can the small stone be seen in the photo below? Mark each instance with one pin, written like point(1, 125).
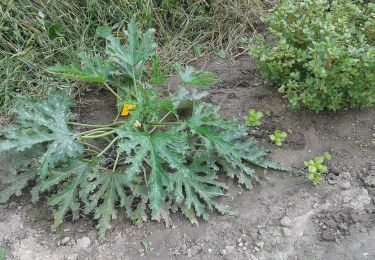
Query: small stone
point(65, 241)
point(344, 184)
point(331, 178)
point(286, 222)
point(209, 250)
point(229, 249)
point(66, 230)
point(369, 180)
point(244, 248)
point(223, 252)
point(12, 205)
point(83, 242)
point(286, 232)
point(328, 235)
point(240, 244)
point(346, 175)
point(260, 245)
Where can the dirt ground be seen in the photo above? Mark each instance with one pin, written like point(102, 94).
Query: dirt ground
point(284, 217)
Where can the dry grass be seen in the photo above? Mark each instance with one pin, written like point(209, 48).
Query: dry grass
point(30, 40)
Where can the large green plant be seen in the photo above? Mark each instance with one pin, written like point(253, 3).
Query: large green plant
point(162, 161)
point(322, 54)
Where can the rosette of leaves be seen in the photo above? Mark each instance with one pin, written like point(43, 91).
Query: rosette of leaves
point(254, 117)
point(278, 137)
point(155, 160)
point(321, 54)
point(316, 167)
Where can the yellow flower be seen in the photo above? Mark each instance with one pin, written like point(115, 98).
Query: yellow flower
point(126, 108)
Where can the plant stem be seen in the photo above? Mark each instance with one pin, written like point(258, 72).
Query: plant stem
point(90, 145)
point(112, 91)
point(92, 126)
point(108, 146)
point(164, 123)
point(118, 115)
point(96, 130)
point(116, 161)
point(98, 136)
point(161, 120)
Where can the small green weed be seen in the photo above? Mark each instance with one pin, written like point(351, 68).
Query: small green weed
point(278, 137)
point(146, 244)
point(316, 167)
point(2, 253)
point(254, 117)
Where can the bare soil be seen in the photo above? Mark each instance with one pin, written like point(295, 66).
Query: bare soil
point(284, 217)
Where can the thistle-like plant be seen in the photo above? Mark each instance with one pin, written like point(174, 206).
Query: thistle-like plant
point(163, 160)
point(316, 167)
point(278, 137)
point(254, 117)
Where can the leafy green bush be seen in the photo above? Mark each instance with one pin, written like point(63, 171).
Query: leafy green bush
point(163, 161)
point(322, 54)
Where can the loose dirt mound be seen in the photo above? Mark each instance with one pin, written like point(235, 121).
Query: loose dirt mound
point(283, 217)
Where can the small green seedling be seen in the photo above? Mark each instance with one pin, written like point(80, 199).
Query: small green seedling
point(254, 117)
point(146, 244)
point(316, 167)
point(278, 137)
point(2, 253)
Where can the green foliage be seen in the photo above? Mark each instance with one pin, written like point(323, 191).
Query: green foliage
point(40, 122)
point(316, 167)
point(322, 54)
point(92, 70)
point(254, 117)
point(2, 253)
point(278, 137)
point(164, 159)
point(195, 78)
point(40, 33)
